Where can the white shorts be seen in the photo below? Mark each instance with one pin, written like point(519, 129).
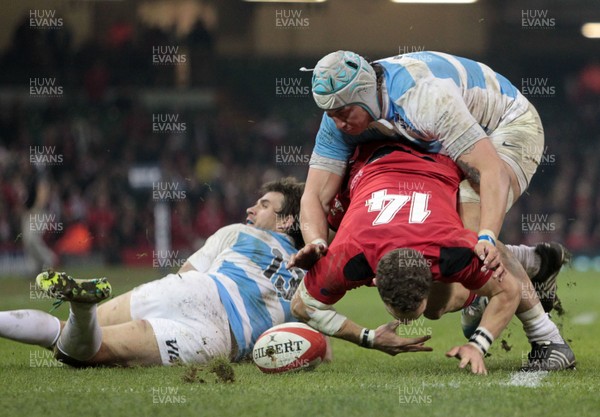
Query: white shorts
point(520, 144)
point(187, 316)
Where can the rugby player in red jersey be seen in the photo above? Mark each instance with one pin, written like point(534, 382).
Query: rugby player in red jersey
point(402, 228)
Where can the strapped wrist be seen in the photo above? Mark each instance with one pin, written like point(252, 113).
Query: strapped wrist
point(482, 339)
point(319, 241)
point(367, 338)
point(487, 235)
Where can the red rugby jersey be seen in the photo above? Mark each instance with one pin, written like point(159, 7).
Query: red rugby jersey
point(399, 197)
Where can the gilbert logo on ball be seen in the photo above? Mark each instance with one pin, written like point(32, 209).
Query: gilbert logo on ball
point(289, 347)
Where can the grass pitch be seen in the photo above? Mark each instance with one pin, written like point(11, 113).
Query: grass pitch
point(358, 382)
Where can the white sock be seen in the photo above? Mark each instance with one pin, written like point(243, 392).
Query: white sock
point(538, 326)
point(33, 327)
point(82, 337)
point(527, 257)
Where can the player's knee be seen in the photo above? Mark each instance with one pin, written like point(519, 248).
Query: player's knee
point(512, 286)
point(67, 360)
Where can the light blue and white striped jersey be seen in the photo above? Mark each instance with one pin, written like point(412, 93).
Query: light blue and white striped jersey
point(443, 103)
point(248, 265)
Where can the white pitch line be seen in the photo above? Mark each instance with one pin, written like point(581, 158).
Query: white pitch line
point(585, 318)
point(527, 379)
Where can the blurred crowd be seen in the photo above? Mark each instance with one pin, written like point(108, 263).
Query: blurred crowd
point(82, 146)
point(66, 162)
point(563, 200)
point(210, 173)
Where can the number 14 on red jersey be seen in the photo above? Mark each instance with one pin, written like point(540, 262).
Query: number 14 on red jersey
point(390, 204)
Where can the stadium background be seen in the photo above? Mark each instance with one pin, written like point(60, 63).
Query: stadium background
point(135, 109)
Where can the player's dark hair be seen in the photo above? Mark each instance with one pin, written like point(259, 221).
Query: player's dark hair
point(292, 191)
point(403, 279)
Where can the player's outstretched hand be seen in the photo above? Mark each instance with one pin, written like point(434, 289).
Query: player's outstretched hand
point(468, 354)
point(307, 256)
point(490, 256)
point(386, 340)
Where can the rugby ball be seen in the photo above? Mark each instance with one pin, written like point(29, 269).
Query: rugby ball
point(289, 347)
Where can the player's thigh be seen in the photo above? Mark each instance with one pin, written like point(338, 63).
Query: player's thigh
point(189, 319)
point(128, 344)
point(115, 311)
point(470, 214)
point(520, 144)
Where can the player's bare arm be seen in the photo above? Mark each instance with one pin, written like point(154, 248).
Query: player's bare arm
point(321, 187)
point(504, 298)
point(487, 173)
point(325, 319)
point(385, 338)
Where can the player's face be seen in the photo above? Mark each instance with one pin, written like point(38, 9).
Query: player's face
point(406, 317)
point(264, 213)
point(352, 119)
